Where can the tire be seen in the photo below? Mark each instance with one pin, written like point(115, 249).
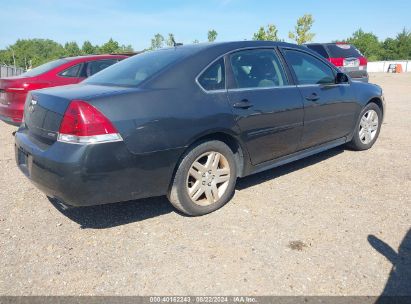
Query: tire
point(367, 138)
point(210, 173)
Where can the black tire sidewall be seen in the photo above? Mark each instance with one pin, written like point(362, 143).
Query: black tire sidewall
point(189, 207)
point(356, 141)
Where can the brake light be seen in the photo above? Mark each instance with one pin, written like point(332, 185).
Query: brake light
point(363, 61)
point(14, 89)
point(25, 87)
point(339, 62)
point(84, 124)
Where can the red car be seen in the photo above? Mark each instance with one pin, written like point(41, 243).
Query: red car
point(70, 70)
point(344, 56)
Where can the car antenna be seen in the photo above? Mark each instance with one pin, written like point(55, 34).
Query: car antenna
point(175, 44)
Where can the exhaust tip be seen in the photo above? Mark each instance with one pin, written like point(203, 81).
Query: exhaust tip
point(60, 204)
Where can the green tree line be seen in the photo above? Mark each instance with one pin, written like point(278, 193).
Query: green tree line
point(397, 48)
point(33, 52)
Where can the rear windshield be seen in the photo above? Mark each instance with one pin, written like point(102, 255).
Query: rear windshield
point(319, 49)
point(343, 51)
point(44, 68)
point(134, 70)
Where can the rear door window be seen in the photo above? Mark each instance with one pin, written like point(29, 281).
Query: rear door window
point(343, 51)
point(257, 69)
point(308, 69)
point(73, 71)
point(93, 67)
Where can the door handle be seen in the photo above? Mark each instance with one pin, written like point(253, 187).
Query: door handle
point(313, 97)
point(243, 104)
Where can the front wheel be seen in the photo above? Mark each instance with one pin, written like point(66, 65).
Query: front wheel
point(368, 128)
point(205, 179)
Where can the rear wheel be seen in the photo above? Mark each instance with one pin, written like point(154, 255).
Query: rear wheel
point(205, 179)
point(368, 128)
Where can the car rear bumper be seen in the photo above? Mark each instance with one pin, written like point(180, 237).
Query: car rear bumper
point(357, 74)
point(9, 120)
point(10, 116)
point(85, 175)
point(362, 79)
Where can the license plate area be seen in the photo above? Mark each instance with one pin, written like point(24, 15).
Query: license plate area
point(24, 161)
point(3, 98)
point(354, 63)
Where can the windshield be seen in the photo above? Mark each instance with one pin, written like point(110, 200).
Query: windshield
point(44, 68)
point(133, 71)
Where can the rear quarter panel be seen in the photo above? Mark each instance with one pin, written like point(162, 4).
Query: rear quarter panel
point(152, 120)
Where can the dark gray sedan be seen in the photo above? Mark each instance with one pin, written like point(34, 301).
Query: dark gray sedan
point(187, 121)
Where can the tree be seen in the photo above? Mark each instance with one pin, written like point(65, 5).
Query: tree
point(72, 49)
point(170, 39)
point(157, 42)
point(302, 33)
point(126, 49)
point(398, 48)
point(404, 44)
point(268, 33)
point(88, 48)
point(39, 51)
point(367, 43)
point(110, 47)
point(212, 35)
point(389, 49)
point(196, 41)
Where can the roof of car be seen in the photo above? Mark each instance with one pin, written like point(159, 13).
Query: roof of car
point(197, 47)
point(327, 43)
point(245, 43)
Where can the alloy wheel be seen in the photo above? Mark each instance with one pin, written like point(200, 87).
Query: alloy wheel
point(208, 178)
point(368, 127)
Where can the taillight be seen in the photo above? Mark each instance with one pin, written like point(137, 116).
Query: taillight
point(363, 61)
point(339, 62)
point(84, 124)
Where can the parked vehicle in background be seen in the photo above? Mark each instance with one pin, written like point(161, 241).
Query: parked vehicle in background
point(70, 70)
point(344, 56)
point(188, 121)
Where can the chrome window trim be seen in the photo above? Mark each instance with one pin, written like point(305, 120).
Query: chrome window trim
point(288, 86)
point(322, 85)
point(263, 88)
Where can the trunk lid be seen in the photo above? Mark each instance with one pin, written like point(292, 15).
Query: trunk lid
point(44, 109)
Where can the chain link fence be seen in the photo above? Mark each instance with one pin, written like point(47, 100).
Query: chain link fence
point(7, 71)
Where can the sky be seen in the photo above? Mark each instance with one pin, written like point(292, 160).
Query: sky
point(136, 22)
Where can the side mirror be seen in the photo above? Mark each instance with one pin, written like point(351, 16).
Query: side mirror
point(341, 78)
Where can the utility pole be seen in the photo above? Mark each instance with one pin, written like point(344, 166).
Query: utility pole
point(14, 58)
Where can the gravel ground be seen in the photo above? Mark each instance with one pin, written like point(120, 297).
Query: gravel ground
point(314, 227)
